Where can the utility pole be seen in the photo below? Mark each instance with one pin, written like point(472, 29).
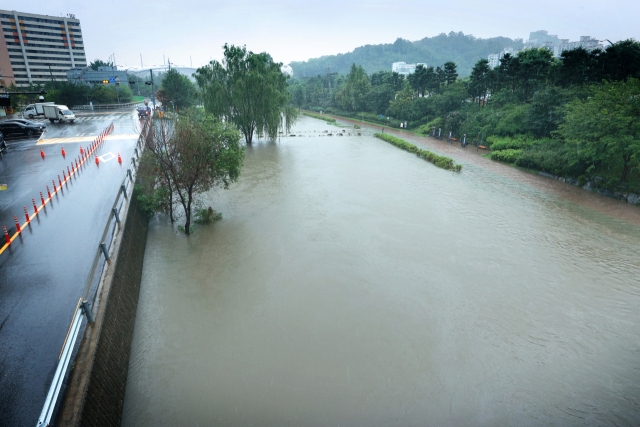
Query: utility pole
point(141, 65)
point(115, 86)
point(153, 92)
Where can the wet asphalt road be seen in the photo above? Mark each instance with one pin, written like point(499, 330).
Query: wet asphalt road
point(43, 272)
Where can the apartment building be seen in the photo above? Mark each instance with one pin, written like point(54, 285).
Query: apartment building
point(39, 48)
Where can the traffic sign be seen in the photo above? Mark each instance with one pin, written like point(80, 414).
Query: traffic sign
point(112, 79)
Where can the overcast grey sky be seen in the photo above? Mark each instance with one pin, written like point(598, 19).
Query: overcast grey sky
point(298, 30)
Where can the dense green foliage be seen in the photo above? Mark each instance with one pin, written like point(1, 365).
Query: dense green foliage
point(573, 116)
point(185, 158)
point(439, 161)
point(249, 90)
point(71, 94)
point(462, 49)
point(177, 90)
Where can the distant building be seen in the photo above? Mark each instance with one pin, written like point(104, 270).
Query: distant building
point(91, 77)
point(585, 42)
point(542, 39)
point(405, 69)
point(495, 58)
point(39, 48)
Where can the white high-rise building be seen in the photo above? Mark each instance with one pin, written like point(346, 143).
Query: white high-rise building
point(38, 48)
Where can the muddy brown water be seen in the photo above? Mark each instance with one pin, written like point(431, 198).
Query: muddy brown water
point(351, 283)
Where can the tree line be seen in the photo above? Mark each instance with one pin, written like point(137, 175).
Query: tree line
point(576, 115)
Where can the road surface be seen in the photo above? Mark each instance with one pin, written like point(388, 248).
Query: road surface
point(43, 271)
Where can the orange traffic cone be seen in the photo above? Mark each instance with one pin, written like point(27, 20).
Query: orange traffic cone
point(42, 153)
point(97, 161)
point(119, 158)
point(63, 153)
point(81, 150)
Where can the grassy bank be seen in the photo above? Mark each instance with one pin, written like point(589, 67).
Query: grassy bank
point(439, 161)
point(319, 117)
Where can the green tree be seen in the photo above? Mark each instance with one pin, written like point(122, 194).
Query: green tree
point(450, 72)
point(439, 78)
point(249, 90)
point(418, 80)
point(178, 90)
point(189, 158)
point(606, 125)
point(479, 80)
point(353, 97)
point(99, 63)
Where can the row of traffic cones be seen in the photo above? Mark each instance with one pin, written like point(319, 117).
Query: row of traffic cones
point(72, 169)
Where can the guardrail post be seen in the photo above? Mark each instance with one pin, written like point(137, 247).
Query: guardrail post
point(136, 151)
point(103, 246)
point(124, 191)
point(87, 311)
point(134, 162)
point(130, 176)
point(115, 213)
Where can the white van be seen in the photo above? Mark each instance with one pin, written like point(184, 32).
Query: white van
point(36, 109)
point(61, 113)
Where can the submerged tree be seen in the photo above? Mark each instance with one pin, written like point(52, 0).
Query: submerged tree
point(249, 90)
point(188, 158)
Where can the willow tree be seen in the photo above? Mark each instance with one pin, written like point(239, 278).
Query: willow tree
point(249, 90)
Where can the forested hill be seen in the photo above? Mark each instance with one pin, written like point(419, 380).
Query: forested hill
point(464, 50)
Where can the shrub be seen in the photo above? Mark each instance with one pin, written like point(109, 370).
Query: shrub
point(497, 143)
point(319, 117)
point(206, 216)
point(508, 156)
point(439, 161)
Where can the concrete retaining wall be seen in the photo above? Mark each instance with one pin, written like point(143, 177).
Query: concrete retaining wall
point(97, 386)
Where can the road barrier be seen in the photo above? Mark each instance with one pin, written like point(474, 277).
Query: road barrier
point(125, 192)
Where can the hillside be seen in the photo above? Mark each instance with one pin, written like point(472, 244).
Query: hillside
point(464, 50)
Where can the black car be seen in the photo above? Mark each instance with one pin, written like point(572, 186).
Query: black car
point(9, 127)
point(143, 112)
point(26, 122)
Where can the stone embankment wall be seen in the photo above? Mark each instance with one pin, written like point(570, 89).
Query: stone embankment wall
point(96, 392)
point(624, 196)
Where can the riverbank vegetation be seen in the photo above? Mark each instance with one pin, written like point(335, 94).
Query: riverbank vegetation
point(318, 116)
point(440, 161)
point(185, 158)
point(249, 90)
point(574, 116)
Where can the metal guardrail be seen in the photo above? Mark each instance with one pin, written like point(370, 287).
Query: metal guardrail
point(107, 106)
point(124, 192)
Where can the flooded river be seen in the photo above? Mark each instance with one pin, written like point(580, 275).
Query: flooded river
point(351, 283)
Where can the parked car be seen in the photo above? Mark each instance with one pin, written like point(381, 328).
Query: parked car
point(9, 127)
point(26, 122)
point(143, 112)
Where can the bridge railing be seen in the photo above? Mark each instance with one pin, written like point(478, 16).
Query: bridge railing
point(107, 106)
point(125, 192)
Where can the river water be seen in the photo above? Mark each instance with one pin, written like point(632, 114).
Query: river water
point(351, 283)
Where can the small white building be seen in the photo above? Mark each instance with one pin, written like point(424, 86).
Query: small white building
point(495, 58)
point(405, 69)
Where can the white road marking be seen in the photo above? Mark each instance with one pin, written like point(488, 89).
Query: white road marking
point(106, 157)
